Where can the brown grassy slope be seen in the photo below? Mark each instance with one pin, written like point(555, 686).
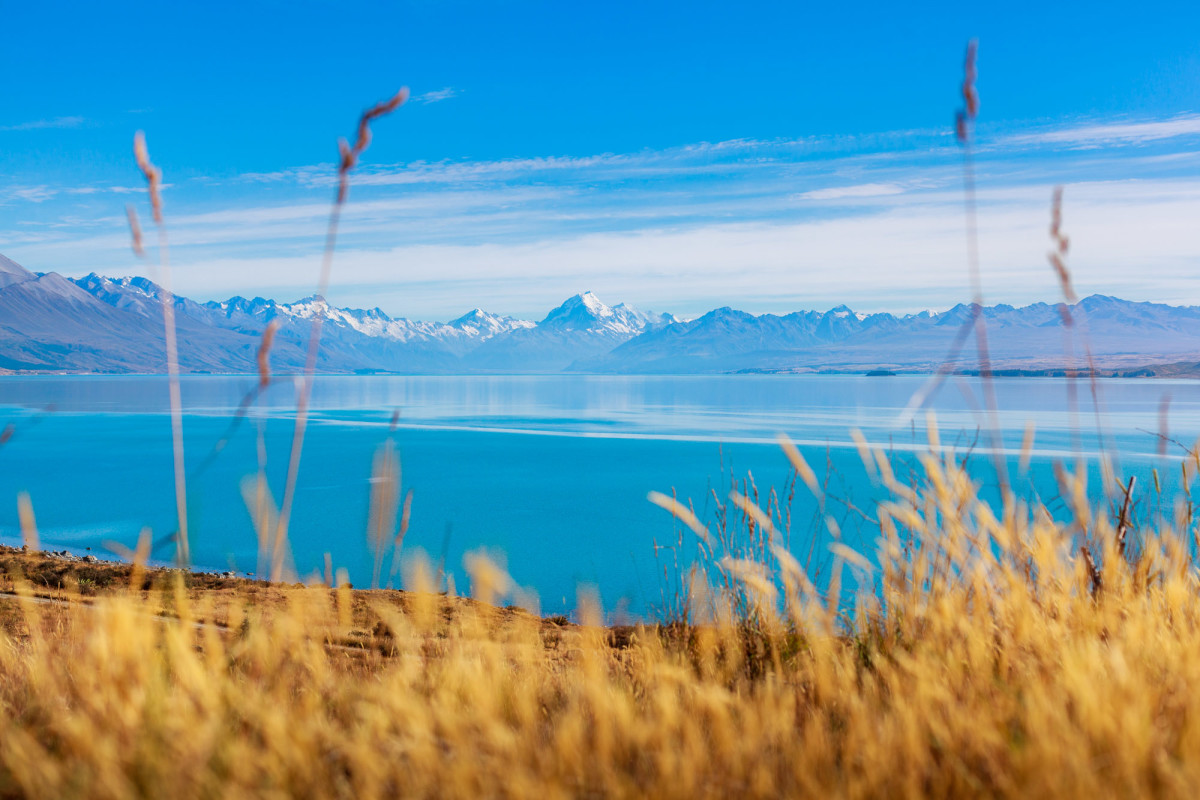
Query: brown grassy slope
point(59, 581)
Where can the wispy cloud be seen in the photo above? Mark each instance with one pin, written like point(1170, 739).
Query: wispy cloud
point(40, 193)
point(1111, 133)
point(703, 159)
point(103, 189)
point(436, 96)
point(29, 194)
point(809, 154)
point(765, 224)
point(853, 192)
point(445, 171)
point(907, 254)
point(42, 124)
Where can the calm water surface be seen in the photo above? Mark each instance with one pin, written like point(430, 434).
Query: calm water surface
point(550, 472)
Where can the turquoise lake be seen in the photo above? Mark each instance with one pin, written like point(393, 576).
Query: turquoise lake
point(547, 473)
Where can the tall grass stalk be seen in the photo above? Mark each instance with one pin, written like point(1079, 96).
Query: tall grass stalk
point(349, 155)
point(153, 176)
point(1058, 257)
point(963, 129)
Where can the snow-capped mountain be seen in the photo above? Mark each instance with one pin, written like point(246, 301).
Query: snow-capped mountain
point(586, 312)
point(482, 325)
point(98, 324)
point(226, 333)
point(581, 328)
point(464, 334)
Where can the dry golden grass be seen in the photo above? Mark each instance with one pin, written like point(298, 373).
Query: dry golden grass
point(981, 663)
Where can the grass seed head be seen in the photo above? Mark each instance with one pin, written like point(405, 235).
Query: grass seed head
point(264, 351)
point(135, 231)
point(348, 155)
point(1058, 256)
point(152, 174)
point(965, 116)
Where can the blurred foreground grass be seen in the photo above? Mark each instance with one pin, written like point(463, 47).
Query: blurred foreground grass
point(987, 656)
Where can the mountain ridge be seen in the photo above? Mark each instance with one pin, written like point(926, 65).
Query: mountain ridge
point(96, 324)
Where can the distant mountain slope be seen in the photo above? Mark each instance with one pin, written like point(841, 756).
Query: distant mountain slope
point(98, 324)
point(11, 272)
point(49, 323)
point(1119, 332)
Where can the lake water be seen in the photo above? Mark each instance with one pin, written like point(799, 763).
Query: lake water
point(549, 473)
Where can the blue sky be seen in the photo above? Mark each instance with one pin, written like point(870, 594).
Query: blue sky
point(678, 156)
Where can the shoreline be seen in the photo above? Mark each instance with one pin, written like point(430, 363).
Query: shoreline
point(1177, 369)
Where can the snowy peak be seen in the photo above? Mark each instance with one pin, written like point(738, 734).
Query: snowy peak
point(306, 307)
point(583, 311)
point(371, 322)
point(132, 294)
point(642, 319)
point(484, 325)
point(586, 312)
point(476, 316)
point(592, 304)
point(837, 323)
point(257, 307)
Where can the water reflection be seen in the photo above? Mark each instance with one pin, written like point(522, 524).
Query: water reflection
point(810, 408)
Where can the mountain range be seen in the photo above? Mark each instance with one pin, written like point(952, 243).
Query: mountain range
point(94, 324)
